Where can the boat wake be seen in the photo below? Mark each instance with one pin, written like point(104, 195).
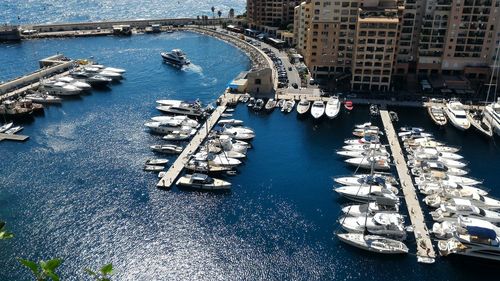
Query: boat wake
point(193, 68)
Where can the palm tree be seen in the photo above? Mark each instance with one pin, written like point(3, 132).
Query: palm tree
point(231, 13)
point(197, 20)
point(213, 12)
point(43, 269)
point(219, 13)
point(103, 274)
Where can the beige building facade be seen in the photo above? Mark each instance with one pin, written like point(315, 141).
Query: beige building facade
point(269, 15)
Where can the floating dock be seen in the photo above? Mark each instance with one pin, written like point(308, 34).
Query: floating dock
point(425, 250)
point(12, 137)
point(173, 172)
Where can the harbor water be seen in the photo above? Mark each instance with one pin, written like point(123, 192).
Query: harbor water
point(56, 11)
point(76, 189)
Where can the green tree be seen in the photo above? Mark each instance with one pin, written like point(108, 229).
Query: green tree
point(3, 233)
point(104, 273)
point(43, 269)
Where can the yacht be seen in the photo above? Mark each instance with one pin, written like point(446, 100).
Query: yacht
point(437, 115)
point(13, 130)
point(244, 98)
point(288, 106)
point(456, 114)
point(60, 88)
point(369, 209)
point(361, 153)
point(167, 148)
point(332, 108)
point(447, 162)
point(387, 224)
point(492, 115)
point(430, 166)
point(441, 176)
point(111, 69)
point(6, 127)
point(216, 159)
point(205, 167)
point(169, 127)
point(181, 109)
point(378, 162)
point(436, 153)
point(447, 187)
point(367, 179)
point(463, 207)
point(178, 135)
point(74, 82)
point(105, 73)
point(186, 121)
point(364, 147)
point(383, 195)
point(176, 57)
point(43, 98)
point(373, 243)
point(317, 109)
point(92, 79)
point(157, 161)
point(481, 201)
point(368, 139)
point(233, 122)
point(303, 107)
point(203, 181)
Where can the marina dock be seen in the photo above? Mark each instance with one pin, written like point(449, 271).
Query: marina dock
point(425, 250)
point(177, 167)
point(13, 137)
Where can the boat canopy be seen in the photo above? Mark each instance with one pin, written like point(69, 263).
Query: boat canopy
point(482, 232)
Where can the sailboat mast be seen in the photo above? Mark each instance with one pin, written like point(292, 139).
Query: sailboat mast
point(494, 73)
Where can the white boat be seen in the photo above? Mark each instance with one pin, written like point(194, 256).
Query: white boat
point(303, 107)
point(178, 135)
point(387, 224)
point(481, 201)
point(112, 69)
point(288, 106)
point(239, 133)
point(233, 122)
point(6, 127)
point(225, 143)
point(430, 188)
point(472, 237)
point(13, 130)
point(366, 179)
point(383, 195)
point(364, 125)
point(181, 109)
point(270, 105)
point(447, 162)
point(457, 116)
point(332, 108)
point(186, 121)
point(202, 181)
point(492, 115)
point(60, 88)
point(364, 140)
point(216, 159)
point(450, 211)
point(369, 209)
point(361, 153)
point(205, 167)
point(157, 161)
point(74, 82)
point(364, 147)
point(43, 98)
point(429, 166)
point(244, 98)
point(104, 73)
point(317, 109)
point(176, 57)
point(373, 243)
point(437, 153)
point(167, 148)
point(169, 127)
point(378, 162)
point(153, 168)
point(441, 176)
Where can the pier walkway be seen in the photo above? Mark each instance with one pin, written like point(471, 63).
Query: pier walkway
point(173, 172)
point(425, 251)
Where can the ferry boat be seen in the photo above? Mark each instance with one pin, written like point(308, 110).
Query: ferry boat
point(492, 115)
point(456, 114)
point(176, 57)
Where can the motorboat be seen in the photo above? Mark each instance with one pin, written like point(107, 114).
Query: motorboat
point(288, 106)
point(317, 109)
point(111, 69)
point(74, 82)
point(157, 161)
point(492, 115)
point(383, 195)
point(394, 116)
point(437, 115)
point(91, 78)
point(332, 108)
point(463, 207)
point(429, 166)
point(386, 224)
point(105, 73)
point(348, 105)
point(176, 57)
point(60, 88)
point(167, 148)
point(6, 127)
point(270, 105)
point(216, 159)
point(186, 121)
point(13, 130)
point(456, 114)
point(365, 147)
point(442, 176)
point(233, 122)
point(169, 127)
point(205, 167)
point(43, 98)
point(178, 135)
point(153, 168)
point(436, 153)
point(368, 139)
point(203, 181)
point(448, 162)
point(259, 104)
point(280, 103)
point(361, 153)
point(414, 134)
point(374, 111)
point(378, 162)
point(369, 209)
point(303, 106)
point(481, 201)
point(367, 132)
point(181, 110)
point(251, 102)
point(363, 126)
point(430, 188)
point(366, 179)
point(13, 109)
point(373, 243)
point(244, 98)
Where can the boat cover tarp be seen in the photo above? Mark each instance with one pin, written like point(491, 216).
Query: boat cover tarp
point(482, 232)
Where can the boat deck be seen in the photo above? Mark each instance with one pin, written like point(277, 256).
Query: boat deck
point(13, 137)
point(425, 249)
point(176, 168)
point(478, 125)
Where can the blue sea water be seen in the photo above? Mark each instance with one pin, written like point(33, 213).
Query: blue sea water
point(76, 189)
point(54, 11)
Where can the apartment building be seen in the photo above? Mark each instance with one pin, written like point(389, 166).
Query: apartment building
point(270, 15)
point(302, 17)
